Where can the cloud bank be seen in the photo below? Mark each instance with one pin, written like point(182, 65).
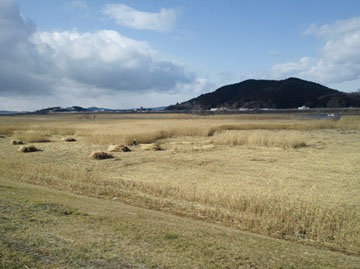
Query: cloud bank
point(72, 64)
point(339, 57)
point(129, 17)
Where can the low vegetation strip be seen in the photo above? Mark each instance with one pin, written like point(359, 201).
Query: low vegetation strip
point(270, 213)
point(280, 139)
point(32, 136)
point(46, 228)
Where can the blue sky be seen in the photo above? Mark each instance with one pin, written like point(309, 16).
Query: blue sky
point(151, 53)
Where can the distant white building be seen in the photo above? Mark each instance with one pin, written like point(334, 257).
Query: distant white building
point(303, 107)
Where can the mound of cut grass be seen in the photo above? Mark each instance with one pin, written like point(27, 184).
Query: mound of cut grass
point(118, 148)
point(152, 146)
point(68, 139)
point(100, 155)
point(29, 148)
point(16, 142)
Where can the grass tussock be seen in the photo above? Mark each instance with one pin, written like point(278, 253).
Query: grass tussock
point(100, 155)
point(32, 137)
point(29, 148)
point(282, 139)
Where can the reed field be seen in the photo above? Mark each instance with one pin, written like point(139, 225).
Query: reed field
point(281, 176)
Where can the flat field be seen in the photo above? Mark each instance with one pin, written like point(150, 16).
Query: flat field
point(277, 176)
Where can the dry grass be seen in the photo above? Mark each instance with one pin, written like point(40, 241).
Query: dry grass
point(349, 123)
point(36, 232)
point(118, 148)
point(29, 148)
point(144, 137)
point(7, 130)
point(100, 155)
point(32, 137)
point(152, 146)
point(282, 139)
point(256, 126)
point(309, 194)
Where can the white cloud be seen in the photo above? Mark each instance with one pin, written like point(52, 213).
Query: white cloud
point(71, 65)
point(338, 28)
point(130, 17)
point(339, 57)
point(107, 60)
point(21, 69)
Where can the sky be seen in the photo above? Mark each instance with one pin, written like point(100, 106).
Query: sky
point(127, 54)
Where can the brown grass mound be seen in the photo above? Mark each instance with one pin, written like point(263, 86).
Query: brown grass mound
point(2, 136)
point(152, 146)
point(16, 142)
point(100, 155)
point(68, 139)
point(118, 148)
point(29, 148)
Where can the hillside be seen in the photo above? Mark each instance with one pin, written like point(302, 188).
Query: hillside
point(277, 94)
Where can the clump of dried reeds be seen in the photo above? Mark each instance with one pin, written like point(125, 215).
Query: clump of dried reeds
point(68, 139)
point(100, 155)
point(29, 148)
point(16, 142)
point(118, 148)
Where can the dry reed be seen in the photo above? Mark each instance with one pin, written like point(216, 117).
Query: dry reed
point(293, 194)
point(282, 139)
point(32, 137)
